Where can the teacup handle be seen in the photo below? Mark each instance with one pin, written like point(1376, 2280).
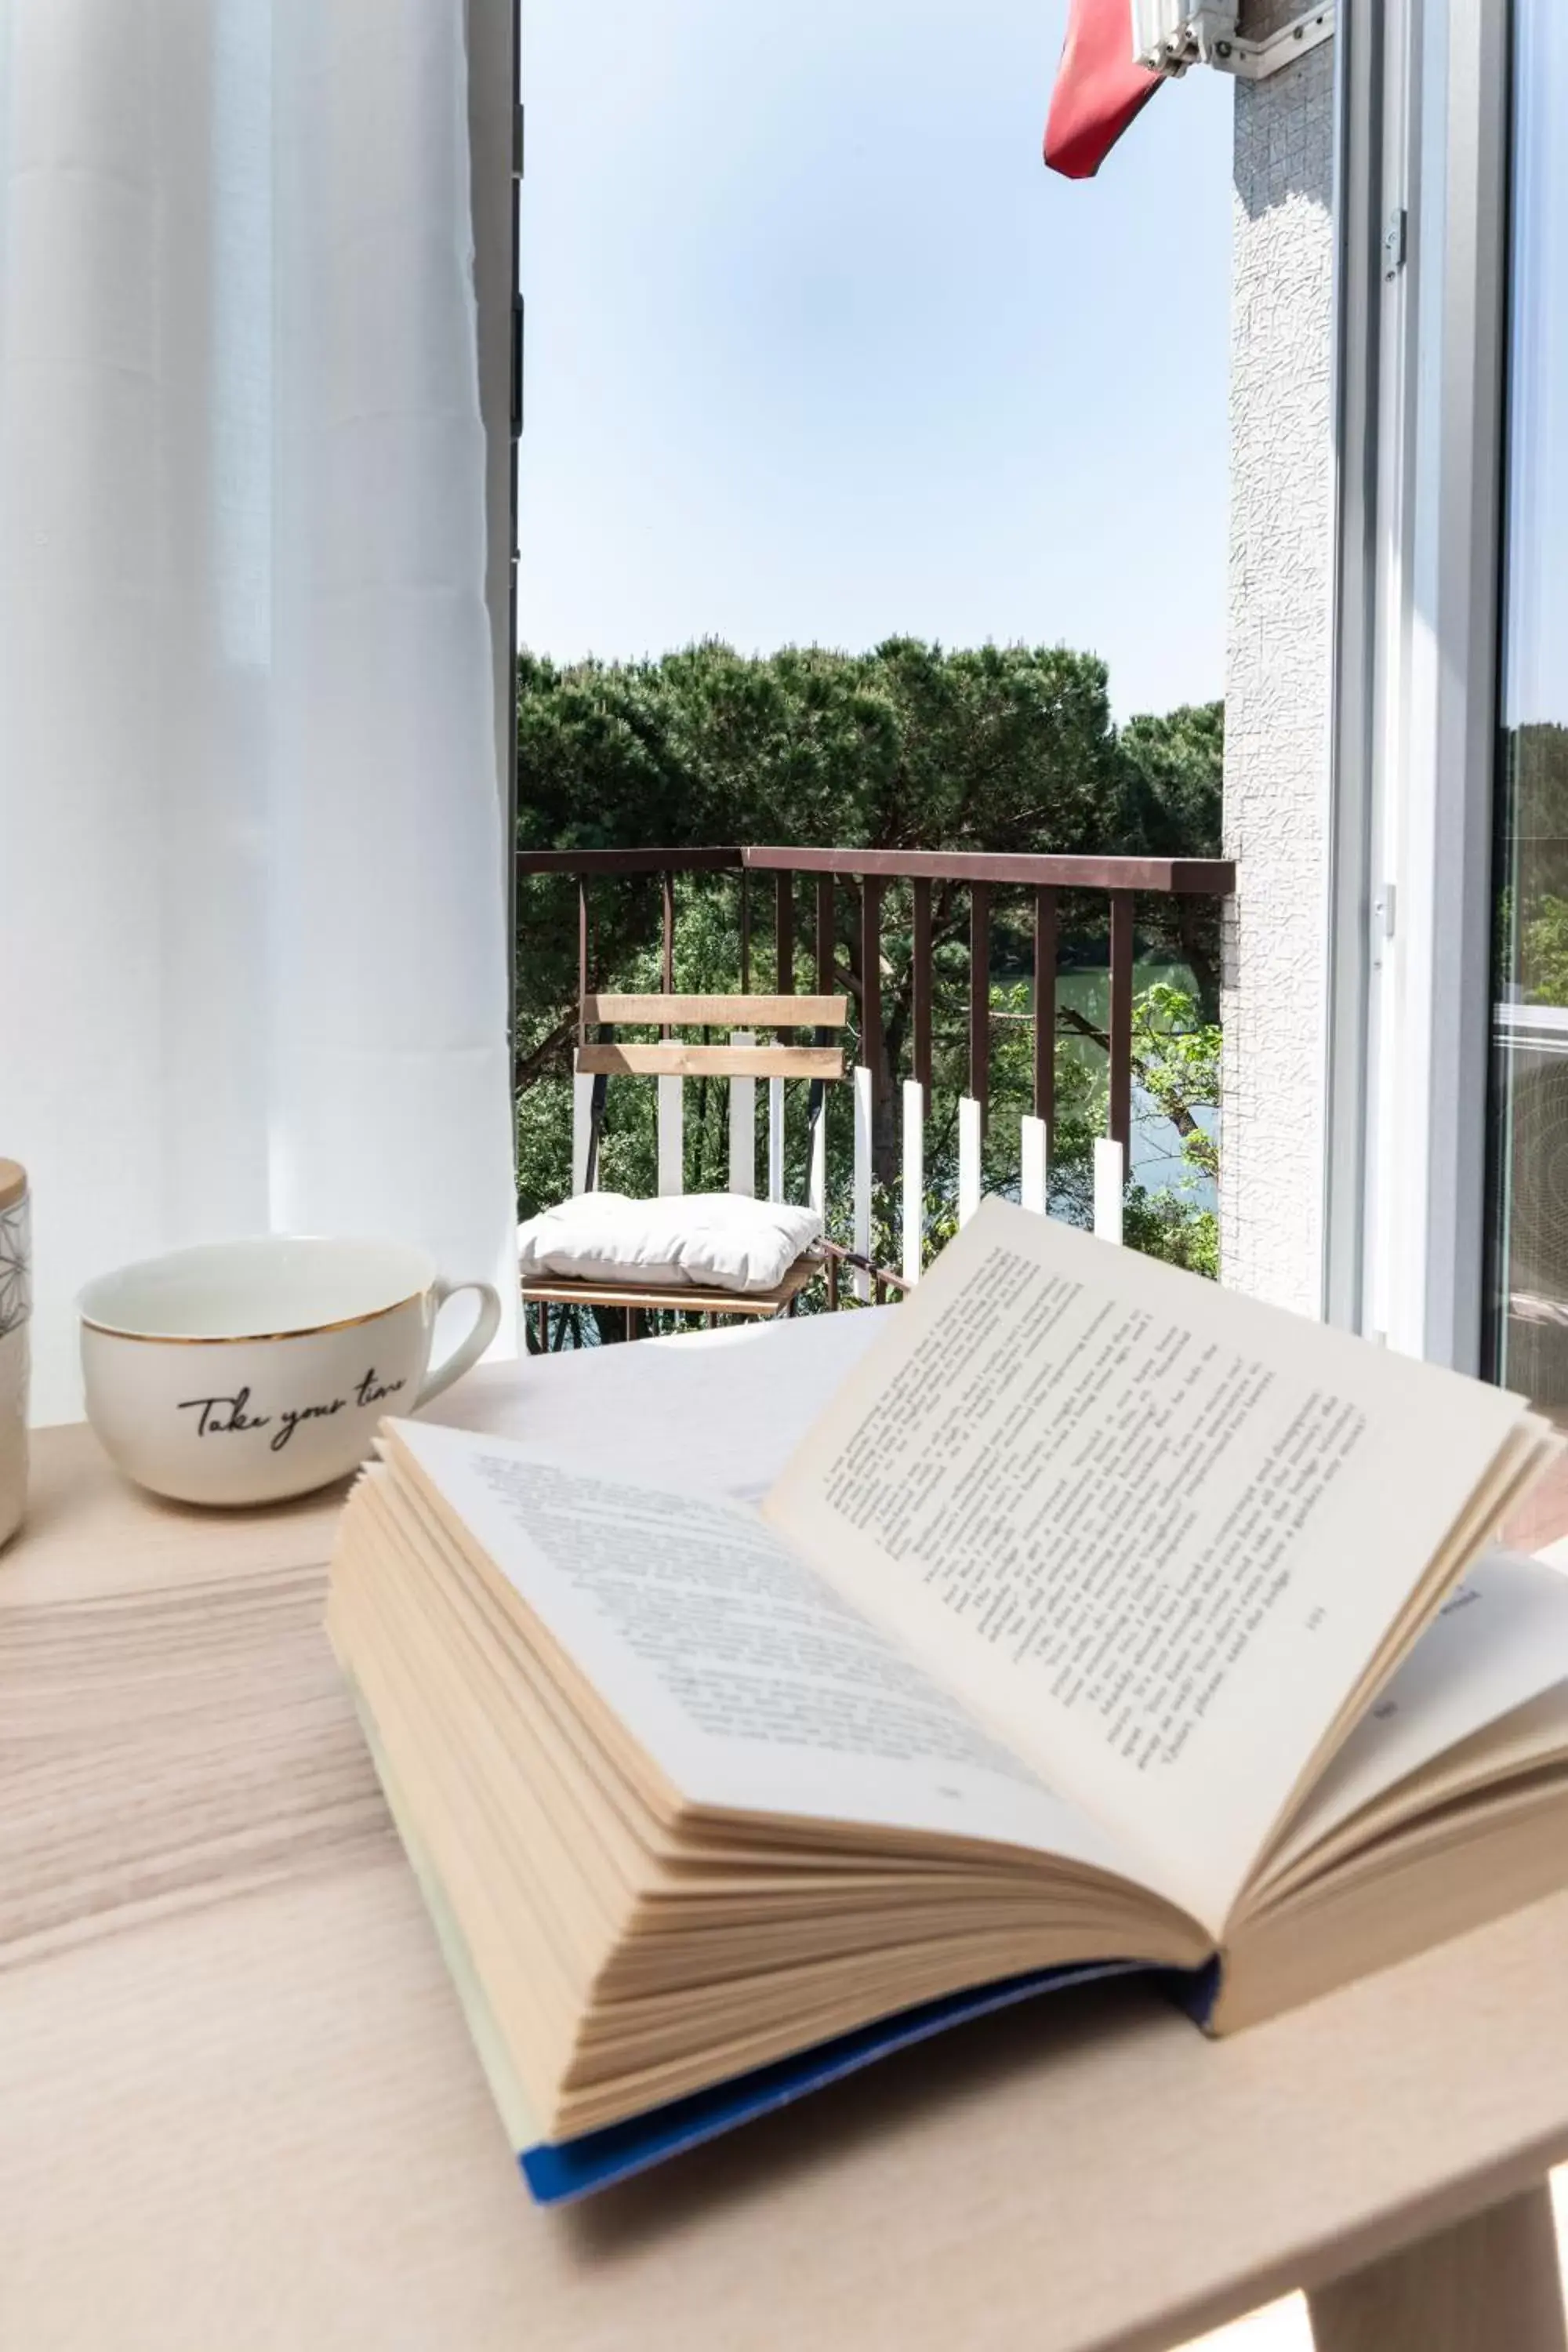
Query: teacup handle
point(486, 1325)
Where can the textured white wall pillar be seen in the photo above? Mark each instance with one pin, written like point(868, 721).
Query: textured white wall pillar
point(1277, 675)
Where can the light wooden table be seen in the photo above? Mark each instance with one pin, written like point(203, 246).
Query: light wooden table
point(239, 2109)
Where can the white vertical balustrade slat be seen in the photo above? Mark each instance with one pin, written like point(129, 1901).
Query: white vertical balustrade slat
point(582, 1128)
point(671, 1137)
point(1032, 1164)
point(775, 1138)
point(1108, 1184)
point(970, 1139)
point(743, 1125)
point(914, 1174)
point(816, 1185)
point(863, 1114)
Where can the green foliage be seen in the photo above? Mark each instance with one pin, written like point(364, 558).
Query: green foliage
point(1163, 1224)
point(1177, 1059)
point(909, 746)
point(1003, 747)
point(1543, 950)
point(1531, 931)
point(1174, 766)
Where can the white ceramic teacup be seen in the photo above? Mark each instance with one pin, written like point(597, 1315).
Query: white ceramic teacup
point(243, 1372)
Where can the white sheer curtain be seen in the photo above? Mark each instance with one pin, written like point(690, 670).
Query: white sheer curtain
point(252, 944)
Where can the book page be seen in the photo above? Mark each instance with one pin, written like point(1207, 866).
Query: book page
point(736, 1400)
point(1154, 1533)
point(1499, 1640)
point(750, 1682)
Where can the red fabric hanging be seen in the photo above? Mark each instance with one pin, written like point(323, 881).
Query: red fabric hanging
point(1100, 88)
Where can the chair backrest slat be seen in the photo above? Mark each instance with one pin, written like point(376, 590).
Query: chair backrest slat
point(675, 1060)
point(718, 1012)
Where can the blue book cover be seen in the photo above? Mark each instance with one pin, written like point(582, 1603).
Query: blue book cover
point(557, 2172)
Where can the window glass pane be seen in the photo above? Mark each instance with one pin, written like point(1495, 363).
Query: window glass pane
point(1531, 1029)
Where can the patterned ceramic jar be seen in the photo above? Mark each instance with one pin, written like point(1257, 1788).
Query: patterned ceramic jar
point(16, 1308)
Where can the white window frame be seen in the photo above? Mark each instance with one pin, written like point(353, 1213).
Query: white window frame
point(1422, 307)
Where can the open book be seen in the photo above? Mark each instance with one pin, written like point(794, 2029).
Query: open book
point(1103, 1617)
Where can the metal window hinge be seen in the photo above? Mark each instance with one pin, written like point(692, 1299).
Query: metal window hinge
point(1168, 38)
point(517, 143)
point(1395, 243)
point(518, 324)
point(1386, 911)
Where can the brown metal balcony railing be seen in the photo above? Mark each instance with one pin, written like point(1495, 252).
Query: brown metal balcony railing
point(1120, 877)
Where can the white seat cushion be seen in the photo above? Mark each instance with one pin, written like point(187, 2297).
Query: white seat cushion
point(704, 1241)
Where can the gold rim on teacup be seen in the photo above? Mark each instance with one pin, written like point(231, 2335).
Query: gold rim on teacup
point(243, 1338)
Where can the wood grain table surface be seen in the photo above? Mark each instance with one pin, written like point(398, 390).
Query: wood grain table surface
point(239, 2107)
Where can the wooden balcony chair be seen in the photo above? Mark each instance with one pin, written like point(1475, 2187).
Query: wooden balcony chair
point(740, 1061)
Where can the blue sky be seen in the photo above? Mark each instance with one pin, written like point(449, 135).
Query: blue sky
point(818, 350)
